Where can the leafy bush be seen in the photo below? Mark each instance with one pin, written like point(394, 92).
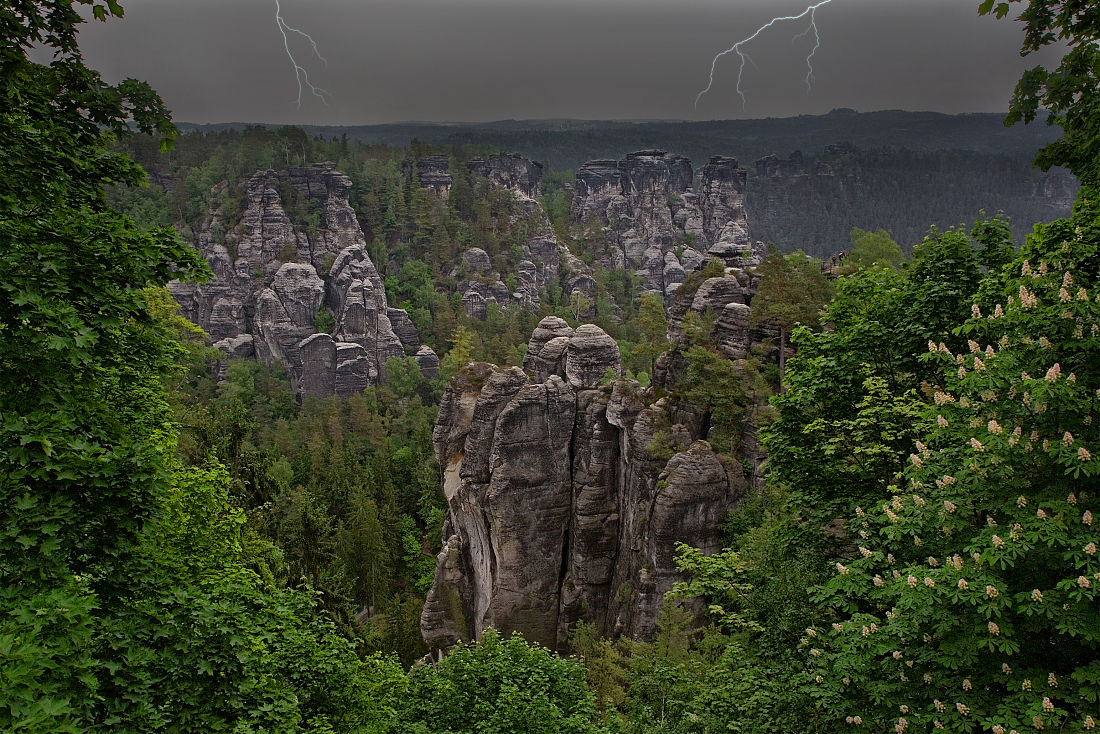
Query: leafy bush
point(499, 685)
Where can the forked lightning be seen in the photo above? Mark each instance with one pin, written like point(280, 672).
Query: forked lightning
point(738, 49)
point(300, 73)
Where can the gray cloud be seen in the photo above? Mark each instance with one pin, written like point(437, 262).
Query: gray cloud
point(390, 60)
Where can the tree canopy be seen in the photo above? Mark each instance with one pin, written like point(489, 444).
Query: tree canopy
point(1071, 92)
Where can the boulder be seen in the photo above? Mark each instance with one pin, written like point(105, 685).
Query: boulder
point(477, 260)
point(551, 327)
point(403, 327)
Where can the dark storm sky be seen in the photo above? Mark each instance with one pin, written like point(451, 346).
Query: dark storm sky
point(478, 60)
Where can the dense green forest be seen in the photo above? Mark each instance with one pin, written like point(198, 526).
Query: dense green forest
point(182, 554)
point(813, 204)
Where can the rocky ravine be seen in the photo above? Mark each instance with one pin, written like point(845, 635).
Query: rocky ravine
point(560, 508)
point(647, 207)
point(273, 277)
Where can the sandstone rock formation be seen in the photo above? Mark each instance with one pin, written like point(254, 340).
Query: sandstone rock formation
point(542, 255)
point(510, 171)
point(273, 278)
point(560, 506)
point(297, 258)
point(434, 172)
point(656, 219)
point(428, 361)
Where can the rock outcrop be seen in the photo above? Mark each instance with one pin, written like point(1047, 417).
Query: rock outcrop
point(657, 221)
point(295, 263)
point(434, 172)
point(510, 171)
point(563, 505)
point(276, 279)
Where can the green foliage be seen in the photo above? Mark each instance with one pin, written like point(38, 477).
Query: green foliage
point(713, 381)
point(717, 578)
point(460, 354)
point(498, 685)
point(324, 322)
point(126, 603)
point(403, 376)
point(1071, 91)
point(421, 567)
point(973, 601)
point(793, 290)
point(603, 665)
point(80, 462)
point(834, 457)
point(326, 487)
point(713, 268)
point(905, 188)
point(653, 326)
point(199, 641)
point(872, 248)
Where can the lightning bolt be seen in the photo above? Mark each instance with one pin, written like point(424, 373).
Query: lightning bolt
point(737, 49)
point(300, 73)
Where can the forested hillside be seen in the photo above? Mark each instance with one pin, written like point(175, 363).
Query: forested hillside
point(454, 442)
point(812, 202)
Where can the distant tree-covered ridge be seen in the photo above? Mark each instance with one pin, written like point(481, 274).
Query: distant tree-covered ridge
point(569, 143)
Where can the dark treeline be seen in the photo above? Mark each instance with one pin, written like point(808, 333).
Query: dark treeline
point(569, 143)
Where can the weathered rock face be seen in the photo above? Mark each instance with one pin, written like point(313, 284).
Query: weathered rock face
point(510, 171)
point(722, 201)
point(477, 260)
point(434, 172)
point(659, 219)
point(558, 509)
point(272, 278)
point(655, 219)
point(728, 297)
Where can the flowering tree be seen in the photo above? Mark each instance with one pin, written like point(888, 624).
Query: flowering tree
point(972, 604)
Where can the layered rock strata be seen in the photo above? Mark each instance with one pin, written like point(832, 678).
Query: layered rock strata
point(434, 173)
point(510, 171)
point(561, 505)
